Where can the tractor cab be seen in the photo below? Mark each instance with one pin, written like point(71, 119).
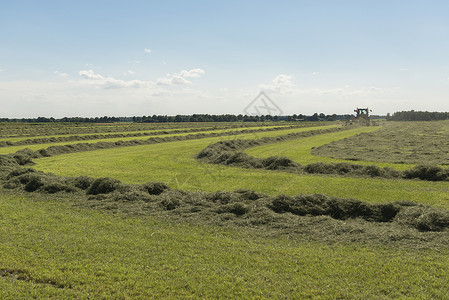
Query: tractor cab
point(362, 116)
point(362, 112)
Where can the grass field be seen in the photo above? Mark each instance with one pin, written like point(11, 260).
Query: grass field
point(30, 130)
point(174, 164)
point(69, 245)
point(300, 150)
point(50, 129)
point(400, 143)
point(50, 249)
point(145, 132)
point(13, 149)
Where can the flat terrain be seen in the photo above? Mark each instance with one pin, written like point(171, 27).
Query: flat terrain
point(198, 240)
point(398, 142)
point(35, 144)
point(50, 249)
point(174, 164)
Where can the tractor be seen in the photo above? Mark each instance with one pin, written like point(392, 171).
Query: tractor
point(362, 116)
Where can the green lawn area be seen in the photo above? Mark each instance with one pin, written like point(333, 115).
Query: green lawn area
point(50, 249)
point(174, 164)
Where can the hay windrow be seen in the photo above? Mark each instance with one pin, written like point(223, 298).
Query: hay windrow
point(419, 143)
point(314, 217)
point(231, 153)
point(61, 139)
point(26, 155)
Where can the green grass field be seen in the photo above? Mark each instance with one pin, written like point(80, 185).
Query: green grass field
point(70, 246)
point(18, 139)
point(300, 150)
point(11, 130)
point(50, 249)
point(13, 149)
point(403, 142)
point(174, 164)
point(146, 132)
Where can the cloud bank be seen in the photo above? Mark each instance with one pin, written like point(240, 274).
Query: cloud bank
point(284, 85)
point(109, 82)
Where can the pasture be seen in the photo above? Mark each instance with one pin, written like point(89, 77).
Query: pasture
point(212, 230)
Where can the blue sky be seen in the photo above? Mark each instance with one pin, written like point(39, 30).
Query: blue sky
point(126, 58)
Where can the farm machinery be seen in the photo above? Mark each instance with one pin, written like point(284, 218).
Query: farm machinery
point(362, 116)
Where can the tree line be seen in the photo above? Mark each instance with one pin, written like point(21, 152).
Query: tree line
point(104, 119)
point(418, 116)
point(232, 118)
point(183, 118)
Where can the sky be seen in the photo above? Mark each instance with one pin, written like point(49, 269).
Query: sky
point(139, 58)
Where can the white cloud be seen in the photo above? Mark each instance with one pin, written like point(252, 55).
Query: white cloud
point(146, 50)
point(90, 74)
point(177, 79)
point(1, 70)
point(61, 74)
point(112, 83)
point(108, 82)
point(195, 73)
point(375, 89)
point(173, 80)
point(315, 73)
point(180, 78)
point(281, 84)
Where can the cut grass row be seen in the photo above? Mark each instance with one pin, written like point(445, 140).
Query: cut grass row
point(17, 130)
point(45, 129)
point(300, 150)
point(146, 132)
point(49, 249)
point(174, 164)
point(402, 142)
point(13, 149)
point(19, 139)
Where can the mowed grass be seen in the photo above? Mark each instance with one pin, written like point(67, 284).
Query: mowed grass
point(19, 139)
point(51, 129)
point(13, 149)
point(300, 150)
point(148, 132)
point(397, 142)
point(174, 164)
point(50, 249)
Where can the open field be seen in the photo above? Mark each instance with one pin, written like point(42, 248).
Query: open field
point(50, 129)
point(301, 150)
point(13, 130)
point(50, 249)
point(125, 134)
point(398, 142)
point(30, 130)
point(174, 164)
point(230, 131)
point(79, 237)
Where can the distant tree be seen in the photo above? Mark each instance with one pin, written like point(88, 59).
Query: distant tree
point(418, 116)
